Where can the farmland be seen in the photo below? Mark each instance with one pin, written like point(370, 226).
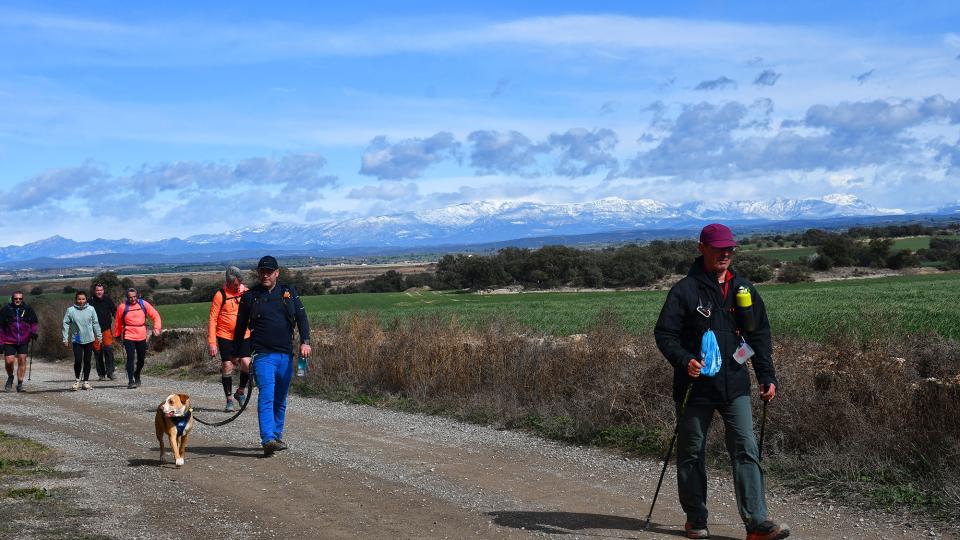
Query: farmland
point(905, 304)
point(789, 254)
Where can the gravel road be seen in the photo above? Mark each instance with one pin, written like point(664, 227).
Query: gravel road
point(361, 472)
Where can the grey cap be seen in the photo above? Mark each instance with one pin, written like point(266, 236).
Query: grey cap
point(233, 273)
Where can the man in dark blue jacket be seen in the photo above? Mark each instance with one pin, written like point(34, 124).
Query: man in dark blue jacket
point(704, 300)
point(271, 310)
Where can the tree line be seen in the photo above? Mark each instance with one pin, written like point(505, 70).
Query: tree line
point(631, 265)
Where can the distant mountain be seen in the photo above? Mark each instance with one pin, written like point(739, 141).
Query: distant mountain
point(482, 222)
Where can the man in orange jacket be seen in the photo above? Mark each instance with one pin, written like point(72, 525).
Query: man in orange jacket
point(220, 328)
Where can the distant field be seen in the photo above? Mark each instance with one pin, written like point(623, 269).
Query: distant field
point(797, 253)
point(813, 310)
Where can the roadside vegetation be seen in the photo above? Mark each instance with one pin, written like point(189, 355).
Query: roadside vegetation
point(29, 508)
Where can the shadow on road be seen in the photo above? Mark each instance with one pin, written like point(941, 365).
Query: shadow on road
point(575, 523)
point(229, 451)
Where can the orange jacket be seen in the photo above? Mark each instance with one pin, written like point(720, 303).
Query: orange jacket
point(223, 315)
point(134, 325)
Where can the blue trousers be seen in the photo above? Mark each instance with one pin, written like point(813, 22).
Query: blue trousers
point(273, 372)
point(748, 478)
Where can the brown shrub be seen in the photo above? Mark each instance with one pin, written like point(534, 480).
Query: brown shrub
point(49, 344)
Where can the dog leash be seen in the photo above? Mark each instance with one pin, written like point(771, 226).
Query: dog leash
point(243, 405)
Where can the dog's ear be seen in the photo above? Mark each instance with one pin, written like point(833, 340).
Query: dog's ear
point(184, 398)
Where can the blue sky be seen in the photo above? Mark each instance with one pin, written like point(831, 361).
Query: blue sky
point(150, 121)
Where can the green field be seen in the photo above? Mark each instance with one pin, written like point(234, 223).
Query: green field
point(797, 253)
point(813, 310)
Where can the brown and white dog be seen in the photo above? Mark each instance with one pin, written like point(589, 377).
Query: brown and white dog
point(175, 419)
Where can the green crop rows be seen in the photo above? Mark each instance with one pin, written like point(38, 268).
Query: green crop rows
point(813, 310)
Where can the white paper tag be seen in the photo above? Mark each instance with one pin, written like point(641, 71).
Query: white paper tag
point(743, 353)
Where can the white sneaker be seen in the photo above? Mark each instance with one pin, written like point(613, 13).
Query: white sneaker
point(86, 386)
point(76, 385)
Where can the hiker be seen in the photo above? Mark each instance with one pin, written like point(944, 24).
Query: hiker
point(702, 301)
point(103, 352)
point(18, 325)
point(220, 327)
point(81, 329)
point(131, 327)
point(271, 310)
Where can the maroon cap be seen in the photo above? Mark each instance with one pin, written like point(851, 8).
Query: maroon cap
point(718, 236)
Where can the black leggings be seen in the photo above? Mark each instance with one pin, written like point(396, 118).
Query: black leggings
point(140, 349)
point(82, 352)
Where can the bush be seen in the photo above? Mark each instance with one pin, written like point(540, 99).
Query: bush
point(36, 291)
point(186, 283)
point(753, 267)
point(69, 289)
point(153, 283)
point(794, 272)
point(49, 342)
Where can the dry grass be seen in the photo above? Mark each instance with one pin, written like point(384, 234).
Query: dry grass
point(877, 416)
point(22, 456)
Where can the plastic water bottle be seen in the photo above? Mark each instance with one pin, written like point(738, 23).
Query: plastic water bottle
point(301, 366)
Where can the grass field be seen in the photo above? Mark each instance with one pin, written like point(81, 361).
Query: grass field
point(813, 310)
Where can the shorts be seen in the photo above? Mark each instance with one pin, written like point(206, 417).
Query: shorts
point(12, 349)
point(226, 348)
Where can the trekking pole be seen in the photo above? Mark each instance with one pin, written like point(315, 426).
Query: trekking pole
point(763, 424)
point(666, 459)
point(30, 356)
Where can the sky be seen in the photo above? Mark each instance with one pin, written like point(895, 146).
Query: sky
point(148, 121)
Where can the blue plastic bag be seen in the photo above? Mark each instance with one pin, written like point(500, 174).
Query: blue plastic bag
point(710, 354)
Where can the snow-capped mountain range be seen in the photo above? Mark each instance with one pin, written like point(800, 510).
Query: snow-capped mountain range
point(461, 224)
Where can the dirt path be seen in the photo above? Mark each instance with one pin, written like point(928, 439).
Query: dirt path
point(360, 472)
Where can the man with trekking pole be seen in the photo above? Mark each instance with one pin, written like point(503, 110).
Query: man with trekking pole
point(18, 328)
point(712, 322)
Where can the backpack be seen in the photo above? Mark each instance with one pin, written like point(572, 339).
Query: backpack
point(224, 299)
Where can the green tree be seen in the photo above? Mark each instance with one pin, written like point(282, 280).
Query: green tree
point(186, 283)
point(153, 283)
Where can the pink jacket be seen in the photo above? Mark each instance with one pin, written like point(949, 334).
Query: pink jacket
point(134, 325)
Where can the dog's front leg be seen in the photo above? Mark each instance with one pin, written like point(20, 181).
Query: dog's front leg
point(183, 449)
point(174, 447)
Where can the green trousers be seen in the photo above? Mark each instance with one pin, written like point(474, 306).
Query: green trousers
point(744, 459)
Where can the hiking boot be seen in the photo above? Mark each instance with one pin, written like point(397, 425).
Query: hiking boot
point(131, 385)
point(110, 376)
point(86, 386)
point(138, 380)
point(9, 386)
point(101, 378)
point(76, 385)
point(229, 406)
point(281, 445)
point(19, 386)
point(240, 397)
point(270, 447)
point(769, 530)
point(696, 530)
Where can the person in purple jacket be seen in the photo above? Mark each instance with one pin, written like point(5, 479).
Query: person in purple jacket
point(18, 325)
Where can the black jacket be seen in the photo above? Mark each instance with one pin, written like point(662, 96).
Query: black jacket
point(681, 327)
point(106, 311)
point(271, 317)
